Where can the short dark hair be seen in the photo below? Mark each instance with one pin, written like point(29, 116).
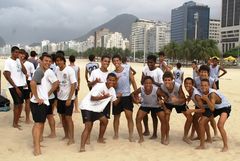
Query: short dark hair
point(72, 58)
point(60, 52)
point(147, 77)
point(194, 62)
point(111, 75)
point(61, 57)
point(161, 53)
point(205, 80)
point(179, 65)
point(105, 56)
point(124, 59)
point(53, 57)
point(152, 57)
point(45, 54)
point(25, 54)
point(189, 78)
point(33, 53)
point(91, 57)
point(14, 48)
point(204, 68)
point(117, 56)
point(167, 74)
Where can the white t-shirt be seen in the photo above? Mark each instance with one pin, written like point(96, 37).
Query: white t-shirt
point(15, 68)
point(156, 74)
point(76, 69)
point(97, 73)
point(30, 69)
point(42, 79)
point(66, 77)
point(51, 79)
point(98, 106)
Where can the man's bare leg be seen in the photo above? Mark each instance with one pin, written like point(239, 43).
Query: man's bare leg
point(27, 111)
point(51, 122)
point(140, 116)
point(103, 126)
point(187, 127)
point(145, 123)
point(221, 123)
point(129, 118)
point(36, 132)
point(70, 129)
point(84, 136)
point(155, 125)
point(116, 126)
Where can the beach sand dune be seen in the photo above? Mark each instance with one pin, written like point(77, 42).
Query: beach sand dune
point(17, 145)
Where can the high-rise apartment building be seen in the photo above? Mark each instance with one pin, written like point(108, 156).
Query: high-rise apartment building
point(214, 30)
point(230, 24)
point(190, 21)
point(139, 34)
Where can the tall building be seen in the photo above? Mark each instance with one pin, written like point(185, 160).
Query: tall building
point(158, 36)
point(98, 37)
point(139, 34)
point(214, 30)
point(190, 21)
point(114, 40)
point(230, 24)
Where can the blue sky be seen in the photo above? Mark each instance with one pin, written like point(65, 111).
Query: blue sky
point(26, 21)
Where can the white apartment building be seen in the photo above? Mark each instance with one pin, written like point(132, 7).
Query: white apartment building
point(214, 30)
point(158, 36)
point(114, 40)
point(139, 34)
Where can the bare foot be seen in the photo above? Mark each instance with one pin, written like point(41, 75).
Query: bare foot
point(201, 147)
point(64, 138)
point(36, 153)
point(28, 121)
point(70, 142)
point(224, 149)
point(186, 140)
point(17, 126)
point(166, 141)
point(146, 133)
point(140, 140)
point(82, 150)
point(51, 136)
point(115, 137)
point(102, 141)
point(153, 137)
point(131, 139)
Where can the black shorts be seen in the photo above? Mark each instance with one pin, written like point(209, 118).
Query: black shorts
point(178, 108)
point(107, 110)
point(153, 110)
point(26, 93)
point(90, 116)
point(16, 99)
point(124, 104)
point(39, 112)
point(222, 110)
point(208, 113)
point(217, 84)
point(50, 107)
point(63, 109)
point(76, 92)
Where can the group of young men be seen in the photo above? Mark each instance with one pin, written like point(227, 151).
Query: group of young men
point(160, 92)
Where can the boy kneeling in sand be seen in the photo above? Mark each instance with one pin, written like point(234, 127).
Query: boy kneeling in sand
point(149, 102)
point(93, 105)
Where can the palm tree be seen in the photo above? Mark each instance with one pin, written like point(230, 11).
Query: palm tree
point(171, 50)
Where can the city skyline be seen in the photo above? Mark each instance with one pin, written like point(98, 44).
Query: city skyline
point(28, 21)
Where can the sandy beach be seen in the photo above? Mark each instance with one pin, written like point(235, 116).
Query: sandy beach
point(17, 145)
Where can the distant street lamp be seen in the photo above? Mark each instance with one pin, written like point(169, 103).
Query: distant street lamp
point(196, 17)
point(134, 47)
